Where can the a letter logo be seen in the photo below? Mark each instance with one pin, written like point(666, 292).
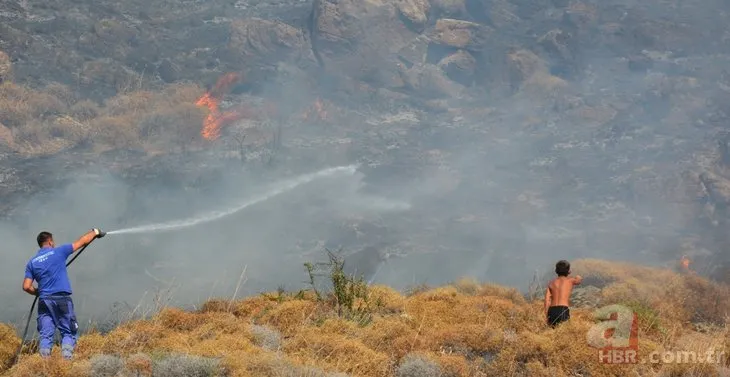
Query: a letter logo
point(616, 336)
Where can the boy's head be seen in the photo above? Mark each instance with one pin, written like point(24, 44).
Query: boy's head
point(562, 268)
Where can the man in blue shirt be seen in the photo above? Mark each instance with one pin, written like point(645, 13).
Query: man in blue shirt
point(55, 307)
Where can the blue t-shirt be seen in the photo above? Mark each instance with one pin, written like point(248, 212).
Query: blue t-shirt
point(48, 268)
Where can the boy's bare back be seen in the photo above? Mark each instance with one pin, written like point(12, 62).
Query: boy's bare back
point(560, 289)
point(557, 294)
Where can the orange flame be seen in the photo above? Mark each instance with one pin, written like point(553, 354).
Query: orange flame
point(316, 110)
point(215, 120)
point(685, 263)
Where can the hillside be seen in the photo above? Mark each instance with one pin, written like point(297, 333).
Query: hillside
point(463, 329)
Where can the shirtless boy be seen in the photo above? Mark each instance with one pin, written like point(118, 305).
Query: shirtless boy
point(557, 294)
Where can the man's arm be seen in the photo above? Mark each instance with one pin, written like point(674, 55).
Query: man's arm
point(28, 280)
point(29, 288)
point(87, 238)
point(548, 299)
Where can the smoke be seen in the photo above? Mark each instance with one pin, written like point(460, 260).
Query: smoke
point(498, 191)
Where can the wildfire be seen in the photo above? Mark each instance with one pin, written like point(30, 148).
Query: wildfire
point(684, 264)
point(316, 110)
point(216, 119)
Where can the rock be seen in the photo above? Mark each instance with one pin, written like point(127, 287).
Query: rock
point(168, 72)
point(360, 39)
point(523, 64)
point(429, 82)
point(415, 52)
point(461, 34)
point(460, 67)
point(586, 297)
point(6, 67)
point(416, 12)
point(258, 41)
point(560, 46)
point(717, 188)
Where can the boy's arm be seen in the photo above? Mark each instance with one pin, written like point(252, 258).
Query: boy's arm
point(548, 299)
point(577, 280)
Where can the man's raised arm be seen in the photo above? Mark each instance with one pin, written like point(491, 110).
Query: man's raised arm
point(87, 238)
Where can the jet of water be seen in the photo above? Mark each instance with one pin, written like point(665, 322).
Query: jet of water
point(278, 189)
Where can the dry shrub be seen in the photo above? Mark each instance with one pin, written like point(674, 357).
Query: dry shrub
point(106, 365)
point(180, 320)
point(289, 316)
point(266, 337)
point(392, 336)
point(35, 366)
point(251, 307)
point(390, 300)
point(85, 110)
point(62, 92)
point(15, 108)
point(415, 365)
point(337, 352)
point(278, 366)
point(9, 343)
point(139, 365)
point(130, 104)
point(187, 366)
point(118, 132)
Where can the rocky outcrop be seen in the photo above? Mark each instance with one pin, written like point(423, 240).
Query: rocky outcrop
point(460, 67)
point(461, 34)
point(415, 12)
point(258, 41)
point(360, 39)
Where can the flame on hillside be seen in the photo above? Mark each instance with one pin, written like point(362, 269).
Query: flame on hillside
point(684, 264)
point(216, 119)
point(315, 111)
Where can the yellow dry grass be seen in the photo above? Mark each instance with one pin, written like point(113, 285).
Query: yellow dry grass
point(467, 328)
point(50, 120)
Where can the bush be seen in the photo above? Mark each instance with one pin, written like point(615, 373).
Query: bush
point(414, 365)
point(266, 337)
point(187, 366)
point(106, 365)
point(9, 343)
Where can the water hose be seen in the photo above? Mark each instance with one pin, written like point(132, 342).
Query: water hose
point(30, 314)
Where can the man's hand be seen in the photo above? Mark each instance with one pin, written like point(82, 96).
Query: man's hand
point(99, 233)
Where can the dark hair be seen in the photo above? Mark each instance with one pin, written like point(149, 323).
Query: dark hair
point(562, 268)
point(43, 237)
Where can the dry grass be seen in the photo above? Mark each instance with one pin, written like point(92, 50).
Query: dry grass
point(48, 121)
point(464, 329)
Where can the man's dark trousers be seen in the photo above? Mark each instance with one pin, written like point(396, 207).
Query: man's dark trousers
point(57, 312)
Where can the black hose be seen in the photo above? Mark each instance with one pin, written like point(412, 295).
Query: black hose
point(30, 314)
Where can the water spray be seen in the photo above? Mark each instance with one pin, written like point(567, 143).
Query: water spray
point(278, 189)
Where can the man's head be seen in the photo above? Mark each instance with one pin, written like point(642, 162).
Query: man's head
point(45, 239)
point(562, 268)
